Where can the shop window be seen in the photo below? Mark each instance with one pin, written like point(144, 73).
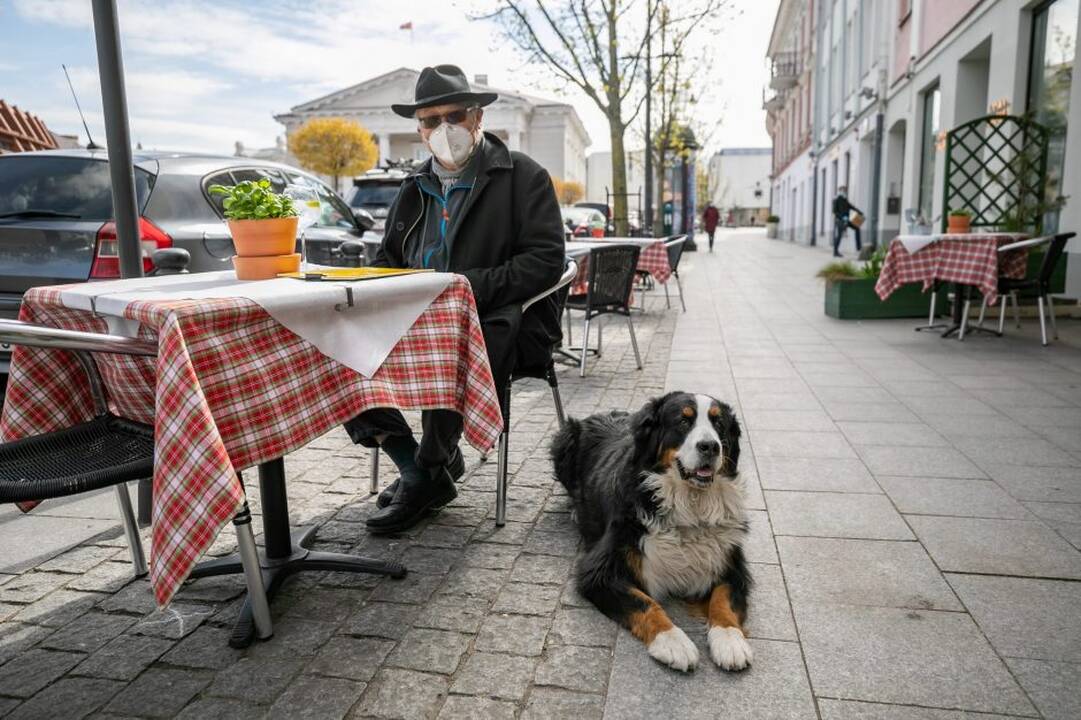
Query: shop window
point(1054, 42)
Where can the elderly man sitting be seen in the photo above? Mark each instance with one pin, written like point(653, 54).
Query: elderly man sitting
point(490, 214)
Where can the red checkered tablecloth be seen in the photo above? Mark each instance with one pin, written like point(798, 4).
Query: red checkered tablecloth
point(653, 259)
point(231, 388)
point(966, 259)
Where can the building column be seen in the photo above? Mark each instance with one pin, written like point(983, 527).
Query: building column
point(384, 148)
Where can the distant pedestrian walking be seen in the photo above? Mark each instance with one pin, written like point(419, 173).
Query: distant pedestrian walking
point(710, 217)
point(841, 220)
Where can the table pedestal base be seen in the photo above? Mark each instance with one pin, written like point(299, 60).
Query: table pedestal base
point(286, 552)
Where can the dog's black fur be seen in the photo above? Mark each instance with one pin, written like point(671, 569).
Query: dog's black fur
point(604, 461)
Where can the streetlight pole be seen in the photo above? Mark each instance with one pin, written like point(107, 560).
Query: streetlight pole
point(647, 224)
point(114, 102)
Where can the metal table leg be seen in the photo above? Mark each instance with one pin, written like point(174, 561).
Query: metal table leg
point(286, 552)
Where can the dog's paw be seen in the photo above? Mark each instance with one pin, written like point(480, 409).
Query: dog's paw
point(673, 648)
point(729, 649)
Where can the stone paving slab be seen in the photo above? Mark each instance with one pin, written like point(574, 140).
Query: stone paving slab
point(879, 457)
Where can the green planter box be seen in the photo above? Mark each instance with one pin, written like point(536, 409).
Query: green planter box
point(856, 300)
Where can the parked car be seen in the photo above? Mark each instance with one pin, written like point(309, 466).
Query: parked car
point(580, 221)
point(56, 216)
point(604, 210)
point(375, 192)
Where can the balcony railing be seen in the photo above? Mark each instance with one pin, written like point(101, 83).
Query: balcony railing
point(786, 69)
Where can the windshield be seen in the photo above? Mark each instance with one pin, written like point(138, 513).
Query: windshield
point(373, 195)
point(62, 186)
point(581, 216)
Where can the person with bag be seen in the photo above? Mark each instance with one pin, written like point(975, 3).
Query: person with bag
point(841, 221)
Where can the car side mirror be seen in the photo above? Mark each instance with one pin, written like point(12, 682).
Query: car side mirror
point(364, 219)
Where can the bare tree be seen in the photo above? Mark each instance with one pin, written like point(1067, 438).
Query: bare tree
point(675, 90)
point(598, 47)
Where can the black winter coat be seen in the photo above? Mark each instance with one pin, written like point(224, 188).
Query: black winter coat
point(507, 239)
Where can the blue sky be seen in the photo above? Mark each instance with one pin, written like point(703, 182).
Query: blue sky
point(202, 75)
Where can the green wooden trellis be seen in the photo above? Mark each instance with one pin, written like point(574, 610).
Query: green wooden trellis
point(996, 168)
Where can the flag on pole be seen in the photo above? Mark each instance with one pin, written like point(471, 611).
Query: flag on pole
point(406, 25)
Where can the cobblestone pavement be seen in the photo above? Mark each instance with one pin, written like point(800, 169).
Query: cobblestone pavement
point(915, 533)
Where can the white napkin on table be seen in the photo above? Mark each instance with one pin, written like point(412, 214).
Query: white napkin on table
point(358, 336)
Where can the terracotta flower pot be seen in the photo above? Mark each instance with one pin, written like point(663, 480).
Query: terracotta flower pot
point(257, 238)
point(958, 224)
point(265, 267)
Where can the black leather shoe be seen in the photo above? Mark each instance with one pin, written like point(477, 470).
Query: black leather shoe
point(414, 499)
point(456, 467)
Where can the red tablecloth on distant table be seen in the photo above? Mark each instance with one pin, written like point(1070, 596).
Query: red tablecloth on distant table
point(968, 259)
point(653, 259)
point(232, 388)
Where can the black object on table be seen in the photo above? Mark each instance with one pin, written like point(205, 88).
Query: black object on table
point(285, 552)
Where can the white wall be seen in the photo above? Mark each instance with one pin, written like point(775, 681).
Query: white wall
point(599, 176)
point(735, 175)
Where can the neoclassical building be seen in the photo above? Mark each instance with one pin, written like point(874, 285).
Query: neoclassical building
point(548, 130)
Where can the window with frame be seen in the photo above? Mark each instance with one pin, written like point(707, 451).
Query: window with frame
point(1051, 64)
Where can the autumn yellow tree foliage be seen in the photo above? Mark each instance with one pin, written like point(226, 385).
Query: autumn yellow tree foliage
point(568, 191)
point(334, 146)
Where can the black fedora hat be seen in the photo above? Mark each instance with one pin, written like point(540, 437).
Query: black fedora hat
point(441, 85)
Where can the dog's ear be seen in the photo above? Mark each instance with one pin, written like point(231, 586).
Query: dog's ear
point(646, 430)
point(731, 440)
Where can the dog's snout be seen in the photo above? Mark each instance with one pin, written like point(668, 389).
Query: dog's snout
point(709, 447)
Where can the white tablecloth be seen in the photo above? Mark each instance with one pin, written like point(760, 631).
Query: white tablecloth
point(915, 243)
point(330, 315)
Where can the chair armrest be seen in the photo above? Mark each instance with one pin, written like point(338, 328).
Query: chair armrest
point(16, 332)
point(569, 274)
point(1031, 242)
point(677, 240)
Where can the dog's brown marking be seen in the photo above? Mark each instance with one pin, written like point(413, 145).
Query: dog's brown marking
point(721, 613)
point(714, 410)
point(688, 411)
point(647, 624)
point(667, 456)
point(634, 562)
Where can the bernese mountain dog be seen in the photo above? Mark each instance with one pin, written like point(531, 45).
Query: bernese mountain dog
point(657, 499)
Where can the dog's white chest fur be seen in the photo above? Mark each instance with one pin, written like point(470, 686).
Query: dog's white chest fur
point(687, 545)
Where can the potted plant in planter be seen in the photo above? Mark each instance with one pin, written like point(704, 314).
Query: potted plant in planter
point(959, 221)
point(263, 224)
point(771, 226)
point(850, 292)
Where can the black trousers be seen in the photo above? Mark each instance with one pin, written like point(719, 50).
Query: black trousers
point(442, 429)
point(840, 224)
point(711, 233)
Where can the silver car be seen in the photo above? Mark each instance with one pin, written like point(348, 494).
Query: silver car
point(56, 216)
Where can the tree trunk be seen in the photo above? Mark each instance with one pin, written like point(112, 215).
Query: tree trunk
point(658, 193)
point(619, 177)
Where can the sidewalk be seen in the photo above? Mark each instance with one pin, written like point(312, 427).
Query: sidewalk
point(915, 533)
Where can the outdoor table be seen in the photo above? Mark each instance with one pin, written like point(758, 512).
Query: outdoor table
point(653, 259)
point(232, 387)
point(968, 260)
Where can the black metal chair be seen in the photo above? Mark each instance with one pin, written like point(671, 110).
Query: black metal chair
point(611, 280)
point(1009, 287)
point(543, 369)
point(675, 253)
point(102, 452)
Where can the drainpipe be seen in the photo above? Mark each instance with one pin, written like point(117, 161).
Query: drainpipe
point(876, 177)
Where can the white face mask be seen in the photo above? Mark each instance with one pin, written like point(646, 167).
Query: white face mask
point(452, 145)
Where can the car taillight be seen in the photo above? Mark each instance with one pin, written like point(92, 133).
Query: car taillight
point(107, 259)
